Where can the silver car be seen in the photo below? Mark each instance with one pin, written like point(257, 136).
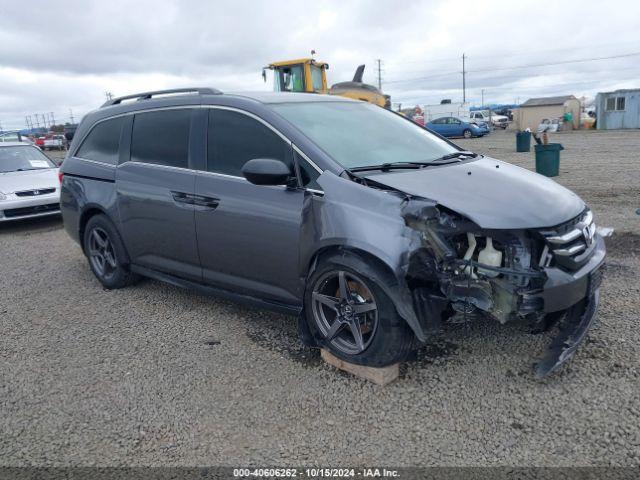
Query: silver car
point(29, 185)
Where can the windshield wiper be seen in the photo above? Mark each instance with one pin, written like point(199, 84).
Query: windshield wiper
point(27, 169)
point(409, 165)
point(454, 155)
point(390, 166)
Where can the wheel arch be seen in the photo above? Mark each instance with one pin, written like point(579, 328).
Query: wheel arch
point(89, 212)
point(365, 262)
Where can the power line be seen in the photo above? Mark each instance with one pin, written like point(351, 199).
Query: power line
point(513, 54)
point(444, 74)
point(493, 69)
point(594, 59)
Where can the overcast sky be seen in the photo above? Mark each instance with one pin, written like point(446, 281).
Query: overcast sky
point(57, 56)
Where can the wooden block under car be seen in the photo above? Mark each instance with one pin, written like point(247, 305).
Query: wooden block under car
point(379, 376)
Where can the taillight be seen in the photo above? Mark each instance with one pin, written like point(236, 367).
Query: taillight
point(60, 175)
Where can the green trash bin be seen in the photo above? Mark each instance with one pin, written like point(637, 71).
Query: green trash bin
point(548, 159)
point(523, 141)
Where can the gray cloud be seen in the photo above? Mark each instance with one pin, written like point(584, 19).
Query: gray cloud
point(56, 58)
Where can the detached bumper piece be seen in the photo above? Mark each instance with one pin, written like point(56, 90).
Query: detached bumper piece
point(573, 331)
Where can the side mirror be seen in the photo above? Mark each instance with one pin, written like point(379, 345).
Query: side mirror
point(266, 171)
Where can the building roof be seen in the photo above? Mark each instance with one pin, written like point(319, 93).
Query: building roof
point(545, 101)
point(622, 90)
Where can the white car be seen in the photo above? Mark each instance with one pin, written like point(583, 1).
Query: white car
point(550, 126)
point(57, 142)
point(29, 184)
point(490, 119)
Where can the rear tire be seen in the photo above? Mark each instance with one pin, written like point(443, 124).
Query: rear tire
point(335, 315)
point(466, 133)
point(105, 251)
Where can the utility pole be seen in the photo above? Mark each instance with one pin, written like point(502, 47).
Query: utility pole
point(53, 119)
point(464, 81)
point(378, 61)
point(0, 127)
point(482, 97)
point(109, 95)
point(71, 115)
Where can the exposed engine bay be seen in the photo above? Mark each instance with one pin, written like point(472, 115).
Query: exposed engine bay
point(463, 271)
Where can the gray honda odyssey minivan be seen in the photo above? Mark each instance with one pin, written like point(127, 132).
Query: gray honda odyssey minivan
point(371, 229)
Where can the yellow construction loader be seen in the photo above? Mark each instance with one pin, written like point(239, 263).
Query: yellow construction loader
point(309, 75)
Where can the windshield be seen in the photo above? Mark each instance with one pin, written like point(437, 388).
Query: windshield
point(362, 134)
point(15, 159)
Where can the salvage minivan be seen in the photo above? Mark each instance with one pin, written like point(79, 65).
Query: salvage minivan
point(368, 227)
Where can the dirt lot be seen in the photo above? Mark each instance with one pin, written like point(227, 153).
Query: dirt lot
point(156, 375)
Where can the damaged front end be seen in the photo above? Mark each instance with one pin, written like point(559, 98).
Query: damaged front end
point(547, 277)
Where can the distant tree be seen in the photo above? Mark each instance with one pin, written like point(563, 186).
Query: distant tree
point(57, 128)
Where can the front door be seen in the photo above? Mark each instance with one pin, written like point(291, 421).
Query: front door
point(248, 235)
point(154, 190)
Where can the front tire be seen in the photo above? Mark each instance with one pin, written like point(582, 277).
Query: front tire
point(350, 314)
point(466, 133)
point(105, 251)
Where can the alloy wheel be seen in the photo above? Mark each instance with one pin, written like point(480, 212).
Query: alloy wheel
point(101, 253)
point(345, 311)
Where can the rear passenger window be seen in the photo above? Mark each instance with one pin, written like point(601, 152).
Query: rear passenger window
point(235, 138)
point(161, 138)
point(103, 142)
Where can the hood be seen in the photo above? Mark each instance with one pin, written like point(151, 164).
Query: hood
point(30, 180)
point(491, 193)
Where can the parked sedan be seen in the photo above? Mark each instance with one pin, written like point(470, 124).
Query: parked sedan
point(455, 127)
point(29, 185)
point(484, 126)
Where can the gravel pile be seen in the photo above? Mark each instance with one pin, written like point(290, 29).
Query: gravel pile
point(156, 375)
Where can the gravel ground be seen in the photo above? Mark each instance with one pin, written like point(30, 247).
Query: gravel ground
point(154, 375)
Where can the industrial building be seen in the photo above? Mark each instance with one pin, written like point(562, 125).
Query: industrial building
point(619, 109)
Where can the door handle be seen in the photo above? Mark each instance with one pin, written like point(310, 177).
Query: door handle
point(182, 197)
point(207, 202)
point(198, 200)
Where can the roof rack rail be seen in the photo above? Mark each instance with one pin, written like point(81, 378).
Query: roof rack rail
point(149, 95)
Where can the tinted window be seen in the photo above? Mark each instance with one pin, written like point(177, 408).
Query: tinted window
point(235, 138)
point(308, 174)
point(161, 137)
point(103, 142)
